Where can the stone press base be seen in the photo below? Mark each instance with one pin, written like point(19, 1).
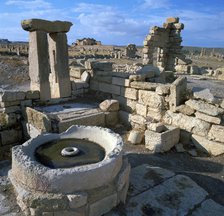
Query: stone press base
point(94, 202)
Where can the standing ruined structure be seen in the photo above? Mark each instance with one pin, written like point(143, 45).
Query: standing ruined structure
point(48, 57)
point(130, 51)
point(162, 47)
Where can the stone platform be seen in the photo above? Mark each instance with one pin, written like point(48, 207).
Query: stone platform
point(152, 191)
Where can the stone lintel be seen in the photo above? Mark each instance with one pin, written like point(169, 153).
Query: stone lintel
point(45, 25)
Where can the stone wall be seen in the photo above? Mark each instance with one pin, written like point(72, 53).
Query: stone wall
point(12, 124)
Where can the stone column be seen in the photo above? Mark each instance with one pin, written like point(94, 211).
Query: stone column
point(59, 77)
point(39, 64)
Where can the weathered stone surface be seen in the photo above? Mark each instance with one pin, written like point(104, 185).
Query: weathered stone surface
point(163, 89)
point(179, 147)
point(144, 85)
point(205, 95)
point(126, 104)
point(176, 196)
point(85, 77)
point(135, 137)
point(144, 177)
point(149, 71)
point(138, 119)
point(103, 206)
point(184, 109)
point(188, 123)
point(151, 99)
point(124, 117)
point(77, 200)
point(109, 105)
point(157, 127)
point(120, 81)
point(129, 93)
point(207, 118)
point(7, 120)
point(216, 133)
point(210, 147)
point(163, 141)
point(76, 72)
point(154, 113)
point(38, 119)
point(141, 109)
point(204, 107)
point(9, 103)
point(45, 25)
point(7, 96)
point(172, 20)
point(11, 109)
point(12, 136)
point(4, 209)
point(208, 208)
point(111, 118)
point(109, 88)
point(177, 92)
point(32, 95)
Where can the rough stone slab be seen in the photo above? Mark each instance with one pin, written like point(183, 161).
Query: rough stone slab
point(109, 88)
point(120, 81)
point(77, 200)
point(109, 105)
point(7, 96)
point(85, 77)
point(111, 118)
point(135, 137)
point(172, 20)
point(211, 147)
point(126, 104)
point(216, 133)
point(12, 136)
point(206, 108)
point(31, 95)
point(157, 127)
point(205, 95)
point(207, 118)
point(144, 177)
point(151, 99)
point(3, 205)
point(154, 114)
point(144, 85)
point(9, 103)
point(188, 123)
point(175, 196)
point(129, 93)
point(184, 109)
point(45, 25)
point(76, 71)
point(163, 89)
point(209, 208)
point(138, 119)
point(124, 117)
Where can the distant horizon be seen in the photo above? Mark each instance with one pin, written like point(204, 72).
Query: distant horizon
point(118, 23)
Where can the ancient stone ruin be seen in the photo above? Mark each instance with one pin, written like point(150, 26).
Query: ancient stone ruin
point(48, 57)
point(130, 51)
point(163, 45)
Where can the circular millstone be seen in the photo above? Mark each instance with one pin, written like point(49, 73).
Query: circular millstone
point(69, 151)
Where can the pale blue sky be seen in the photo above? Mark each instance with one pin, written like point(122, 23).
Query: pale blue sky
point(118, 22)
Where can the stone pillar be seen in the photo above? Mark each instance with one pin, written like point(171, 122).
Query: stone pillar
point(58, 55)
point(39, 64)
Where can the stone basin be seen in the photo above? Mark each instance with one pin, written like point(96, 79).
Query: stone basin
point(33, 175)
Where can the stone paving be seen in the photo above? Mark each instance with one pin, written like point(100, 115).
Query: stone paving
point(152, 191)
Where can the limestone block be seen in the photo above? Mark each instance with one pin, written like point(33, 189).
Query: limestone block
point(101, 66)
point(109, 88)
point(178, 92)
point(58, 56)
point(94, 85)
point(120, 81)
point(141, 109)
point(111, 118)
point(129, 93)
point(186, 110)
point(211, 147)
point(12, 136)
point(163, 89)
point(162, 142)
point(207, 118)
point(195, 70)
point(7, 96)
point(38, 120)
point(7, 120)
point(151, 99)
point(103, 206)
point(11, 109)
point(204, 107)
point(155, 113)
point(9, 103)
point(135, 77)
point(76, 71)
point(39, 68)
point(135, 136)
point(45, 25)
point(77, 84)
point(216, 133)
point(205, 95)
point(138, 119)
point(126, 104)
point(172, 20)
point(109, 105)
point(31, 95)
point(144, 85)
point(77, 200)
point(188, 123)
point(85, 77)
point(157, 127)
